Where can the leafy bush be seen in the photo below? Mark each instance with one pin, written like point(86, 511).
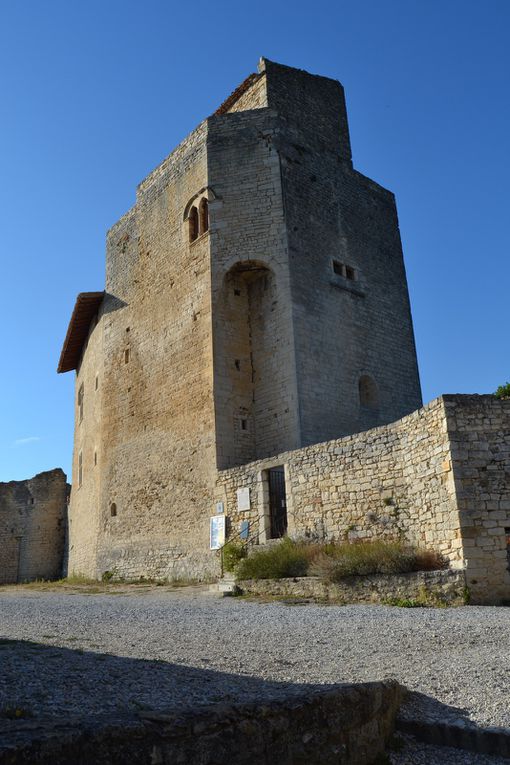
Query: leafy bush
point(286, 559)
point(233, 553)
point(503, 391)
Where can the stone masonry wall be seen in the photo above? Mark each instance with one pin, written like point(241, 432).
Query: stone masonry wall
point(143, 509)
point(335, 725)
point(394, 480)
point(439, 478)
point(479, 435)
point(443, 587)
point(33, 517)
point(254, 367)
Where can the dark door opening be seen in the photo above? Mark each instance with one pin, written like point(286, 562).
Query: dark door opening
point(277, 502)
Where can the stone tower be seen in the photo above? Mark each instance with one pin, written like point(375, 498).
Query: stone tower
point(256, 302)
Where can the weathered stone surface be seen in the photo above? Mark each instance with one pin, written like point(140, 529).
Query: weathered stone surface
point(33, 521)
point(417, 479)
point(348, 725)
point(269, 339)
point(433, 587)
point(244, 342)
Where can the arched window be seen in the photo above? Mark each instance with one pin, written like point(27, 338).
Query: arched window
point(204, 215)
point(368, 393)
point(193, 224)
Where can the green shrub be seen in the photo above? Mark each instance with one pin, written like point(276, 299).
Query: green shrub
point(233, 553)
point(286, 559)
point(503, 391)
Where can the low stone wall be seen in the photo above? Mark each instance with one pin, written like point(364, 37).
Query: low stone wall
point(346, 725)
point(431, 587)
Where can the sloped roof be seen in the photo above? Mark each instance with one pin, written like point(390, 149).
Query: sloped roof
point(238, 92)
point(86, 307)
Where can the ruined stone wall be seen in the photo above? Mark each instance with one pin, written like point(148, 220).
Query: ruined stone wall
point(394, 480)
point(33, 517)
point(479, 435)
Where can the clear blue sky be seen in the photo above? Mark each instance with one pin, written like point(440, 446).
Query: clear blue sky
point(95, 94)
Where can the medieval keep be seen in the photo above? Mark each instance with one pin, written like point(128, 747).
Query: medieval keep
point(255, 307)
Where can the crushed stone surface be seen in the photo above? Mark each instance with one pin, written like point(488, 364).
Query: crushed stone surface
point(69, 654)
point(412, 752)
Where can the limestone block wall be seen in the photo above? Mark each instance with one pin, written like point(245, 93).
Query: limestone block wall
point(439, 478)
point(88, 453)
point(149, 514)
point(33, 516)
point(351, 310)
point(394, 480)
point(254, 369)
point(479, 436)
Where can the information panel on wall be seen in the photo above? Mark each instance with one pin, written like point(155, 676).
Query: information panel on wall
point(243, 498)
point(217, 531)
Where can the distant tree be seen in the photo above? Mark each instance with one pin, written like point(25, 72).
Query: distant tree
point(503, 391)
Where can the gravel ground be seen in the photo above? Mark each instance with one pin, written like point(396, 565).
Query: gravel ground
point(412, 752)
point(163, 649)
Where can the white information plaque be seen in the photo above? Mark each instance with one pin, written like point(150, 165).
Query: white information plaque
point(217, 531)
point(243, 498)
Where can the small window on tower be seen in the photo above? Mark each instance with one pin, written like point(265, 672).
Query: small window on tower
point(80, 469)
point(80, 402)
point(345, 271)
point(368, 393)
point(193, 224)
point(204, 216)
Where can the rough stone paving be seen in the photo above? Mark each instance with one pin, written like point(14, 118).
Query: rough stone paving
point(101, 654)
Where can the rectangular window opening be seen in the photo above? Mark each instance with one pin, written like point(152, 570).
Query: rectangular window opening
point(80, 402)
point(343, 270)
point(80, 469)
point(126, 356)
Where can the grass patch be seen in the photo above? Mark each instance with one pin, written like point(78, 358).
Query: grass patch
point(334, 562)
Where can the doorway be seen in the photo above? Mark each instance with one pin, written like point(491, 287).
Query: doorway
point(277, 501)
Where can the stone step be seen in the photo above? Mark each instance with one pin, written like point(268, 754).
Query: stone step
point(226, 585)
